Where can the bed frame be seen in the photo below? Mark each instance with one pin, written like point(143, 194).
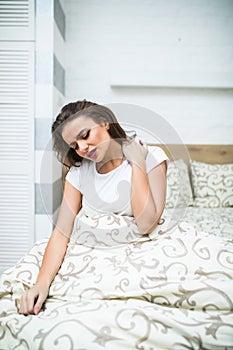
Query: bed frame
point(212, 154)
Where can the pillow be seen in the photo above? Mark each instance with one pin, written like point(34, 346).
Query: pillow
point(212, 184)
point(179, 191)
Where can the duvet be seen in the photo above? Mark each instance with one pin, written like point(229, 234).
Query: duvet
point(116, 289)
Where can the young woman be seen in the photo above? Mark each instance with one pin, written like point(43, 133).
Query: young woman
point(109, 173)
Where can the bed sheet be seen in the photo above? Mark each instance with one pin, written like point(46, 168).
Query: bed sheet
point(118, 290)
point(215, 221)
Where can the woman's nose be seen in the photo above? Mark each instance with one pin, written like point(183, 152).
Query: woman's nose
point(82, 145)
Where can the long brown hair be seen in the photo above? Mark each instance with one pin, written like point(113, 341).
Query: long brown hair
point(97, 113)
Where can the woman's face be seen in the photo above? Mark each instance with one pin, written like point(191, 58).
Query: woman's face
point(90, 140)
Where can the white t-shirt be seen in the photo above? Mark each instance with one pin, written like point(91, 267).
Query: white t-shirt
point(110, 192)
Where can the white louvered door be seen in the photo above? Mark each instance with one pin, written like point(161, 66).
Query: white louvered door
point(16, 130)
point(17, 20)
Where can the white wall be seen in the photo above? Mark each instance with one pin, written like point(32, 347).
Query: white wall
point(174, 57)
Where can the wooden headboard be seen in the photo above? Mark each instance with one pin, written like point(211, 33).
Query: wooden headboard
point(212, 154)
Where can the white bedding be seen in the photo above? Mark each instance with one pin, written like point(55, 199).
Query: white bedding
point(118, 290)
point(215, 221)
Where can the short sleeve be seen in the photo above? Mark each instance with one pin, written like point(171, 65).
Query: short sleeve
point(73, 177)
point(155, 156)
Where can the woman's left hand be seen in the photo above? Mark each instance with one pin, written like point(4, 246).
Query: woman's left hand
point(135, 152)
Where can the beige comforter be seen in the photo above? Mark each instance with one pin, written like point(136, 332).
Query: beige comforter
point(118, 290)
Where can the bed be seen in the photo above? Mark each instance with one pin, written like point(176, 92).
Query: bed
point(116, 293)
point(205, 173)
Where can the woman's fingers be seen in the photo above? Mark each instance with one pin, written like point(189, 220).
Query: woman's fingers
point(30, 297)
point(40, 300)
point(135, 152)
point(27, 303)
point(32, 301)
point(143, 143)
point(23, 304)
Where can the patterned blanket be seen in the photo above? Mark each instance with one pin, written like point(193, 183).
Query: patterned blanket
point(117, 289)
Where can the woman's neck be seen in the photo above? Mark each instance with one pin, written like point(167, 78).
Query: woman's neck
point(113, 158)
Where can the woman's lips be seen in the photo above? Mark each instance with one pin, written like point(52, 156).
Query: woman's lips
point(92, 154)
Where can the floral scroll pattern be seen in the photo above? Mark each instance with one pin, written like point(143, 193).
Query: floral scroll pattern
point(215, 221)
point(179, 191)
point(212, 184)
point(173, 291)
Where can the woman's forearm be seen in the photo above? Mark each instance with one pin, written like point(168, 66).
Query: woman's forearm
point(53, 258)
point(57, 245)
point(33, 299)
point(143, 206)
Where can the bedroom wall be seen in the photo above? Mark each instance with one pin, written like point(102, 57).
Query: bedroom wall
point(173, 57)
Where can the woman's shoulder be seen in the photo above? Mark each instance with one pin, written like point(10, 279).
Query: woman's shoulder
point(77, 174)
point(82, 166)
point(80, 169)
point(155, 156)
point(157, 151)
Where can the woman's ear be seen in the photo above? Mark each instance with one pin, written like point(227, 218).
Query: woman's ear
point(105, 124)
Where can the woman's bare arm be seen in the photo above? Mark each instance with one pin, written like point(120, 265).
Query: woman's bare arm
point(32, 300)
point(148, 191)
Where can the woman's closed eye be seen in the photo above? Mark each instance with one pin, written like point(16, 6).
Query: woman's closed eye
point(85, 136)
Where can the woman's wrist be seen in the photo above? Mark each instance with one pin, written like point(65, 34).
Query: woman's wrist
point(141, 164)
point(45, 282)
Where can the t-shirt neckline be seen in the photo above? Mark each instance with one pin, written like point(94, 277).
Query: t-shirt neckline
point(111, 171)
